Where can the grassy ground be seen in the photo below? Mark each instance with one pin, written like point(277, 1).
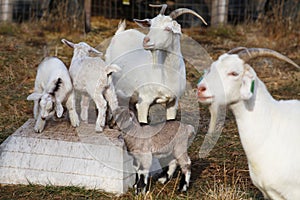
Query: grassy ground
point(222, 175)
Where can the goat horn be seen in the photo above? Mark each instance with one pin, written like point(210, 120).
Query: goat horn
point(236, 50)
point(248, 54)
point(163, 8)
point(176, 13)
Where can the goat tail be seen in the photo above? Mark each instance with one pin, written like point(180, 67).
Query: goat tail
point(121, 26)
point(112, 68)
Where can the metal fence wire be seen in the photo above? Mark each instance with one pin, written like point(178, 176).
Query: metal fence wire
point(213, 11)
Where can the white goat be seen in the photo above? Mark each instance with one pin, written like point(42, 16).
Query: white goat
point(90, 76)
point(52, 87)
point(269, 129)
point(158, 78)
point(169, 141)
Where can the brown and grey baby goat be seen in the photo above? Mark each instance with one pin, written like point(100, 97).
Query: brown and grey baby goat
point(169, 141)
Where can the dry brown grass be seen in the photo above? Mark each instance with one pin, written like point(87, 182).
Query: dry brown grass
point(222, 175)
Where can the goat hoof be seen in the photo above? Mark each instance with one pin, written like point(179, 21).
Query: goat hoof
point(85, 121)
point(140, 191)
point(163, 180)
point(75, 123)
point(38, 130)
point(143, 123)
point(183, 189)
point(99, 129)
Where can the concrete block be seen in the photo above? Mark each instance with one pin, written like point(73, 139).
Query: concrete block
point(64, 156)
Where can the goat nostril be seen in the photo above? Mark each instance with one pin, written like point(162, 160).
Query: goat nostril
point(202, 89)
point(146, 39)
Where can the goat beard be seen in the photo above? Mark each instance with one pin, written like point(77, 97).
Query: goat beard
point(217, 119)
point(155, 57)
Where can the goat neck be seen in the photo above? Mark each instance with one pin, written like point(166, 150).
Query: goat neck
point(126, 121)
point(248, 113)
point(171, 56)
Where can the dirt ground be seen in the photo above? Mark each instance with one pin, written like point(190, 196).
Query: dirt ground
point(223, 175)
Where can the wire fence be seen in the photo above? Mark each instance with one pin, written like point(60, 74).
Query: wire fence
point(232, 11)
point(213, 11)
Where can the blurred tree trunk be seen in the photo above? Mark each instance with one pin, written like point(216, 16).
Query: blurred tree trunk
point(87, 15)
point(6, 10)
point(219, 12)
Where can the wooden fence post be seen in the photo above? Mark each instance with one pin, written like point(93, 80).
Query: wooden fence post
point(87, 15)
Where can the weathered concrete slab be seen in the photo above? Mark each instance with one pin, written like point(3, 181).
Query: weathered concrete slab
point(64, 156)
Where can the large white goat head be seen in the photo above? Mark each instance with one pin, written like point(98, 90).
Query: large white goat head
point(48, 104)
point(163, 28)
point(231, 79)
point(81, 49)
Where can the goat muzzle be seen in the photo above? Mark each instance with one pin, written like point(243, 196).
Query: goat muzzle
point(147, 44)
point(146, 40)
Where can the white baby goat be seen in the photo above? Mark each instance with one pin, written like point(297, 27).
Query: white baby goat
point(169, 141)
point(269, 129)
point(91, 77)
point(152, 65)
point(52, 87)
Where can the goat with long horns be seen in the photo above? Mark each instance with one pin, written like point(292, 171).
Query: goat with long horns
point(269, 129)
point(152, 65)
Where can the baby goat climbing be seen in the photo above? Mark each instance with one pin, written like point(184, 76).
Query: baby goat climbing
point(52, 87)
point(91, 77)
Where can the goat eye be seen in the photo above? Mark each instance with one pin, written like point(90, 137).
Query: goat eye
point(168, 29)
point(233, 74)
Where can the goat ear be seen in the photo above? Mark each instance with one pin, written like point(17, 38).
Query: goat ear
point(112, 68)
point(93, 50)
point(121, 26)
point(143, 23)
point(59, 110)
point(176, 28)
point(34, 96)
point(68, 43)
point(248, 83)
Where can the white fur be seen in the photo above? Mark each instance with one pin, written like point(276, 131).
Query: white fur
point(269, 129)
point(90, 76)
point(46, 101)
point(156, 77)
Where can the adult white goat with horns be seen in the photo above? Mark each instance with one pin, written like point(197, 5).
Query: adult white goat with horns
point(157, 77)
point(269, 129)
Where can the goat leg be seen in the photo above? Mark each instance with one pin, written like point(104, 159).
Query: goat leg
point(84, 106)
point(40, 124)
point(172, 110)
point(101, 105)
point(70, 104)
point(185, 164)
